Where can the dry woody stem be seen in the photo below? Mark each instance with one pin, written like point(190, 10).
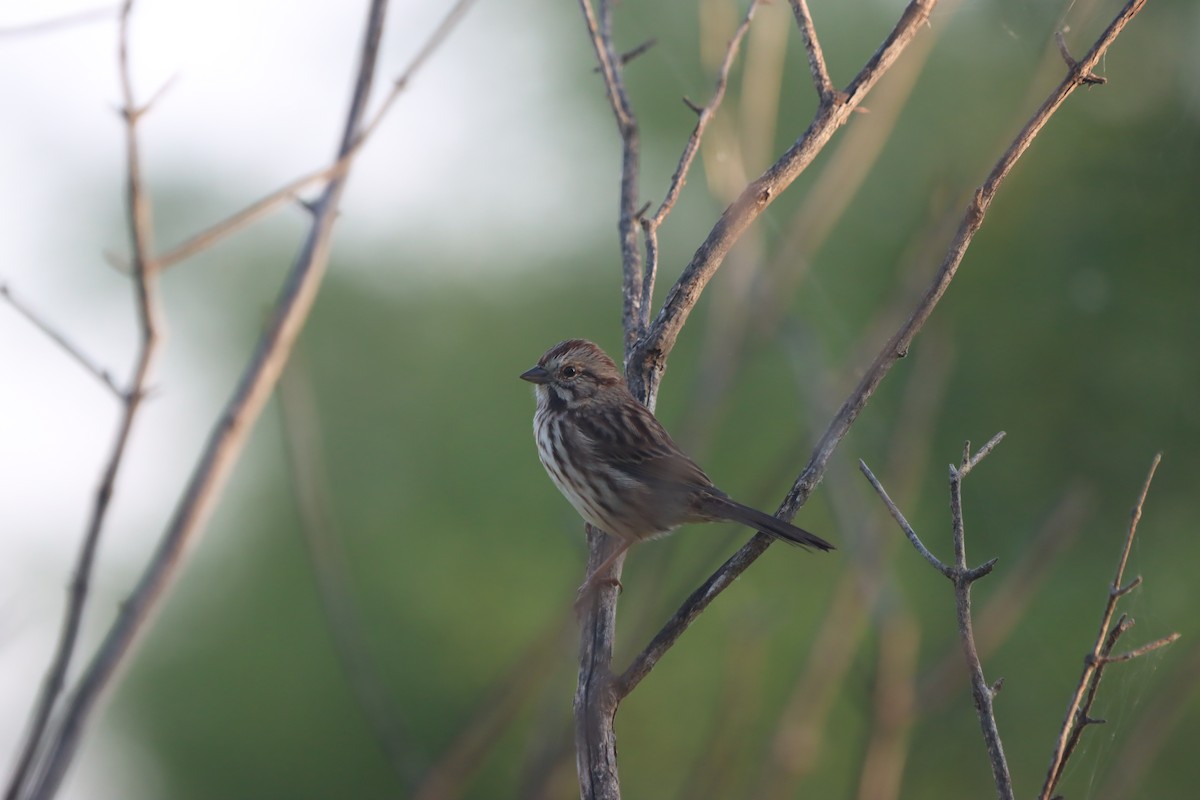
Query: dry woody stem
point(56, 728)
point(1078, 715)
point(648, 345)
point(962, 577)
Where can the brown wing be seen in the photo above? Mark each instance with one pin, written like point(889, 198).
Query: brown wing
point(651, 470)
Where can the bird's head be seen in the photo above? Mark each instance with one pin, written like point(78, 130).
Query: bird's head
point(572, 374)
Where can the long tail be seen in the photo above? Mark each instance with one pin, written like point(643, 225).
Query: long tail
point(772, 526)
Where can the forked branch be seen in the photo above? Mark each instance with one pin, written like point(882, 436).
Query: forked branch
point(962, 577)
point(144, 271)
point(1078, 715)
point(704, 114)
point(50, 750)
point(687, 290)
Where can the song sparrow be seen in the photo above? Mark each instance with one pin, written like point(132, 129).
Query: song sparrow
point(616, 463)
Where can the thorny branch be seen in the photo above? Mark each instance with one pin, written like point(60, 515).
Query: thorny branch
point(49, 751)
point(651, 224)
point(962, 577)
point(33, 755)
point(687, 291)
point(1078, 714)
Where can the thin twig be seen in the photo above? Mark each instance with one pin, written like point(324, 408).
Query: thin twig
point(1009, 600)
point(652, 351)
point(1157, 724)
point(59, 338)
point(291, 190)
point(897, 515)
point(634, 315)
point(35, 757)
point(1078, 710)
point(649, 359)
point(816, 59)
point(1136, 652)
point(982, 692)
point(969, 461)
point(962, 577)
point(225, 442)
point(650, 225)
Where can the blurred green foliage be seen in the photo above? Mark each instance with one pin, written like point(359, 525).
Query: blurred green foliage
point(1073, 325)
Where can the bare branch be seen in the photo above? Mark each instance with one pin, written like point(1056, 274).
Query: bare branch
point(630, 55)
point(35, 757)
point(59, 338)
point(962, 577)
point(1129, 655)
point(291, 190)
point(816, 59)
point(969, 462)
point(634, 315)
point(897, 515)
point(227, 437)
point(245, 217)
point(705, 113)
point(645, 367)
point(1010, 599)
point(1079, 708)
point(651, 353)
point(981, 691)
point(650, 225)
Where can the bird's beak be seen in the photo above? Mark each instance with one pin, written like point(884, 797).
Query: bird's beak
point(537, 374)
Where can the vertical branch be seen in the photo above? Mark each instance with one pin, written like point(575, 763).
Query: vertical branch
point(145, 281)
point(982, 692)
point(595, 704)
point(226, 439)
point(634, 316)
point(962, 577)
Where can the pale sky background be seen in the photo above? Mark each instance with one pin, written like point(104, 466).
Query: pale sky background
point(257, 97)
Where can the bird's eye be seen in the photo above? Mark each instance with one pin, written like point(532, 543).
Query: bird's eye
point(569, 372)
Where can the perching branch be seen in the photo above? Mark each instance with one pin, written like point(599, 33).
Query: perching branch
point(962, 577)
point(647, 367)
point(1078, 714)
point(683, 296)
